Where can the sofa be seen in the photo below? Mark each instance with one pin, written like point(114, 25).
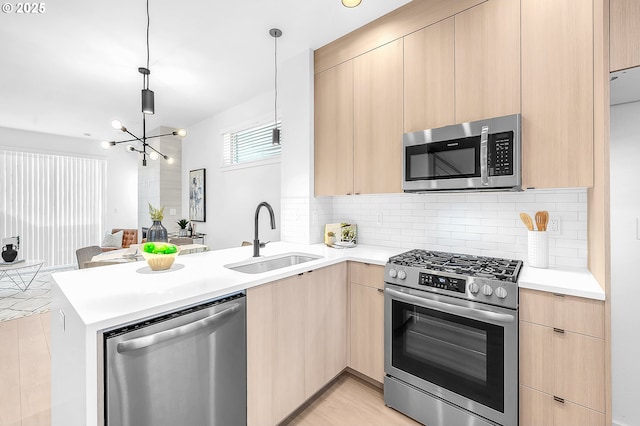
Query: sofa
point(129, 236)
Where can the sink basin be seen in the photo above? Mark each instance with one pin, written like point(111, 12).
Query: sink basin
point(266, 264)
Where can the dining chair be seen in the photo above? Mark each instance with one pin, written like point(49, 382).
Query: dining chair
point(85, 254)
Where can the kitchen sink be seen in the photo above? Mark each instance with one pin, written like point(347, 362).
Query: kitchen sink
point(266, 264)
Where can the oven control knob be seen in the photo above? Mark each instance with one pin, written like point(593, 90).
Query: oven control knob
point(473, 288)
point(487, 290)
point(393, 273)
point(402, 274)
point(501, 292)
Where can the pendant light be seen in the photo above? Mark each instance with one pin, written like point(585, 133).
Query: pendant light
point(351, 3)
point(275, 133)
point(148, 107)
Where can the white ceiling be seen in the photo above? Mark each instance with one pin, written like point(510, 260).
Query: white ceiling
point(73, 69)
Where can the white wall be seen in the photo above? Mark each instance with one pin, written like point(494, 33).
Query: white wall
point(122, 170)
point(477, 223)
point(232, 195)
point(625, 254)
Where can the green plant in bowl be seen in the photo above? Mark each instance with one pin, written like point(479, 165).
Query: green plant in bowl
point(159, 256)
point(182, 223)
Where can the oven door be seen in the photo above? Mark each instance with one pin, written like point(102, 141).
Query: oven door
point(461, 351)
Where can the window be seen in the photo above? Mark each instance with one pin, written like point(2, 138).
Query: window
point(55, 204)
point(251, 144)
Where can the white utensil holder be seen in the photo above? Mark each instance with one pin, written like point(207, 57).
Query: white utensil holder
point(538, 249)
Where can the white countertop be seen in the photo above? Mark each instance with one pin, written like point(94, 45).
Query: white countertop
point(568, 281)
point(111, 295)
point(107, 296)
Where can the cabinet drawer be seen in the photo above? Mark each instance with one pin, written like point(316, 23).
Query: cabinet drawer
point(569, 313)
point(564, 364)
point(537, 408)
point(366, 274)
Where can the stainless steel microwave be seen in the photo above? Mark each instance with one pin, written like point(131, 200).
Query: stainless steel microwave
point(479, 155)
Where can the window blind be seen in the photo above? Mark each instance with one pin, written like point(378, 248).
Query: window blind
point(251, 144)
point(55, 204)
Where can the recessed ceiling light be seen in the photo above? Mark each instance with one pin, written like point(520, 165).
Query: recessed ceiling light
point(351, 3)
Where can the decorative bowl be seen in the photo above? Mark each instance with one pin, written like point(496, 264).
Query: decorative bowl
point(161, 261)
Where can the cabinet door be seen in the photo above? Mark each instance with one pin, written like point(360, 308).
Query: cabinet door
point(366, 274)
point(428, 77)
point(557, 93)
point(378, 120)
point(326, 326)
point(333, 142)
point(535, 408)
point(275, 350)
point(367, 331)
point(487, 65)
point(624, 34)
point(579, 369)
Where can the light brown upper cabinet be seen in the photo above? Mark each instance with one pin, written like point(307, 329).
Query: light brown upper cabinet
point(377, 84)
point(624, 34)
point(487, 60)
point(557, 93)
point(428, 77)
point(334, 130)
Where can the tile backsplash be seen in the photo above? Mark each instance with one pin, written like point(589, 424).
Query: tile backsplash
point(476, 223)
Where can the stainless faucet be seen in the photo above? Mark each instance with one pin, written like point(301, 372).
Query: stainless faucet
point(256, 241)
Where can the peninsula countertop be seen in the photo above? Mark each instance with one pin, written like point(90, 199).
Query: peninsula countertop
point(107, 296)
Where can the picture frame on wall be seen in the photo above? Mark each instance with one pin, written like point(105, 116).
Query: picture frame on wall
point(197, 195)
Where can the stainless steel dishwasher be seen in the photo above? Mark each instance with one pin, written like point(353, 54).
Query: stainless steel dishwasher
point(187, 367)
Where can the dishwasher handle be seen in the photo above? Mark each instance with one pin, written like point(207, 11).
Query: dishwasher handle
point(163, 336)
point(479, 314)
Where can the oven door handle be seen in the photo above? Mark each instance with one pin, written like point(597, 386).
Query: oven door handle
point(480, 314)
point(163, 336)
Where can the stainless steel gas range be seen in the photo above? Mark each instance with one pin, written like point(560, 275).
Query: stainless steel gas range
point(451, 338)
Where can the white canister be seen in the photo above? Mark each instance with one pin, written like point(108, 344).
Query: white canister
point(538, 248)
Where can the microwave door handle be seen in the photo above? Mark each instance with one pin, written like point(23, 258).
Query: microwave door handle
point(484, 175)
point(163, 336)
point(479, 314)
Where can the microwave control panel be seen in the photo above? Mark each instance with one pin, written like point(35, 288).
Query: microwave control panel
point(445, 283)
point(500, 154)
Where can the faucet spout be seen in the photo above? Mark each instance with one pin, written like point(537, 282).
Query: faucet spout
point(256, 241)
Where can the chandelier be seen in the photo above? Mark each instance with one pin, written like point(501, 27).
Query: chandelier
point(148, 107)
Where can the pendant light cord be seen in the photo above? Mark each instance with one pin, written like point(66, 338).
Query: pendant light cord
point(148, 24)
point(275, 61)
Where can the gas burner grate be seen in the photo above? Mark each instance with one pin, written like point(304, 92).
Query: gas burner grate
point(462, 264)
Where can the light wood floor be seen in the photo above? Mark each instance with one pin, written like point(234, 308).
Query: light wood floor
point(25, 371)
point(25, 385)
point(350, 401)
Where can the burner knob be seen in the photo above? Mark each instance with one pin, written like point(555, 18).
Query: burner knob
point(487, 290)
point(393, 273)
point(402, 274)
point(473, 288)
point(501, 292)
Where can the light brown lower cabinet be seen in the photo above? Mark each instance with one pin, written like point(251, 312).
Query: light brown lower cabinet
point(296, 341)
point(538, 409)
point(367, 320)
point(325, 326)
point(562, 369)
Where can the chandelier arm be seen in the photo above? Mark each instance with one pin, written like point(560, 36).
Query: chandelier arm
point(158, 136)
point(158, 152)
point(128, 140)
point(136, 138)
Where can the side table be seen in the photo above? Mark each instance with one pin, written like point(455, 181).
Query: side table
point(21, 274)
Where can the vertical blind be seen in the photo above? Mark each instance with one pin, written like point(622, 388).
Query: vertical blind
point(251, 144)
point(54, 203)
